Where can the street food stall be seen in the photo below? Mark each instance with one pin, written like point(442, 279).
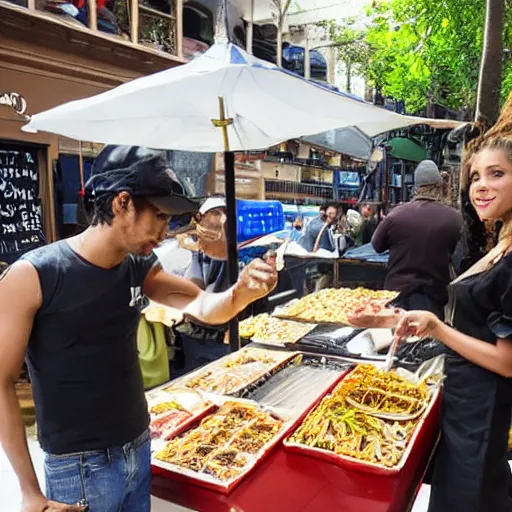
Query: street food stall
point(305, 418)
point(240, 434)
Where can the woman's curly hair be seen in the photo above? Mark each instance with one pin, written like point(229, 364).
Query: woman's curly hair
point(480, 236)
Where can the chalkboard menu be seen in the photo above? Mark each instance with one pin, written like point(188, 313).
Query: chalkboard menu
point(20, 214)
point(191, 169)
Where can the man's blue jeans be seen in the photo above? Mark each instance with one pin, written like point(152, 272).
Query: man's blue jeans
point(112, 480)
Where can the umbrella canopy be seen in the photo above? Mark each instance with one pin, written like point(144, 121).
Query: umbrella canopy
point(260, 106)
point(174, 109)
point(406, 149)
point(349, 141)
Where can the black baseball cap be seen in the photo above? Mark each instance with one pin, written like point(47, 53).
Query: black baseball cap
point(142, 172)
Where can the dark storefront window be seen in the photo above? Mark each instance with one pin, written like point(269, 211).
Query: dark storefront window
point(67, 186)
point(21, 226)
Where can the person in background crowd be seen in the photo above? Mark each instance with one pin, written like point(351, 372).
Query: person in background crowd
point(73, 308)
point(296, 232)
point(318, 234)
point(369, 223)
point(201, 344)
point(352, 224)
point(341, 224)
point(421, 236)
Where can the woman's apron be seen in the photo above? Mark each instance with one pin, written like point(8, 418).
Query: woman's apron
point(471, 471)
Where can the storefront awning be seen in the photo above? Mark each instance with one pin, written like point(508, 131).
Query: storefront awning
point(406, 149)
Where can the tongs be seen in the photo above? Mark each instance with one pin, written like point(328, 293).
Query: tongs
point(393, 416)
point(390, 356)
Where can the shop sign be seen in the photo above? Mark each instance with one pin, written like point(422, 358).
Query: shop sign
point(15, 101)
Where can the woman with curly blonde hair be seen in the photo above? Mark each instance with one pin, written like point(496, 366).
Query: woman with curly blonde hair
point(471, 472)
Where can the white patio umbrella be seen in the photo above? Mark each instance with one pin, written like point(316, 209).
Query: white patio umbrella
point(255, 103)
point(174, 109)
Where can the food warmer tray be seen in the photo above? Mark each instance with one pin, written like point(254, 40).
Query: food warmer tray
point(282, 358)
point(172, 471)
point(428, 421)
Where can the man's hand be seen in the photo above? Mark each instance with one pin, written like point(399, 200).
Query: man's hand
point(257, 280)
point(38, 503)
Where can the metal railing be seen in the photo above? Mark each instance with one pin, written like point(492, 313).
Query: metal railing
point(139, 22)
point(324, 191)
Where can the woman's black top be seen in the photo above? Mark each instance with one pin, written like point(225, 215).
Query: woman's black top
point(481, 305)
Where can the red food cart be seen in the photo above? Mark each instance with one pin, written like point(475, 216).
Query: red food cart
point(289, 482)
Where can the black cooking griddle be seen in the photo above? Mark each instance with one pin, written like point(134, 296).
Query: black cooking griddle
point(330, 340)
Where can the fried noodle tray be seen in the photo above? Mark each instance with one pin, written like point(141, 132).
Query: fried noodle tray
point(350, 463)
point(282, 358)
point(174, 472)
point(280, 313)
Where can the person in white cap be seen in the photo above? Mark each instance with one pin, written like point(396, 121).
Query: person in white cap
point(201, 344)
point(421, 236)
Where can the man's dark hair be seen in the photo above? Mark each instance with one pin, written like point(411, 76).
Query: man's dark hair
point(332, 205)
point(99, 211)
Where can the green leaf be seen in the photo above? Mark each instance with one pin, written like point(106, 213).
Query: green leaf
point(420, 47)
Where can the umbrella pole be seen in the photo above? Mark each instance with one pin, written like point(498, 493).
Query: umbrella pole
point(229, 171)
point(229, 166)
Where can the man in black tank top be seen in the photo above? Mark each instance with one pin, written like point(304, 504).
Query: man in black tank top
point(72, 309)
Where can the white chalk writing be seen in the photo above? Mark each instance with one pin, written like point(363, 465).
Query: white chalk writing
point(20, 212)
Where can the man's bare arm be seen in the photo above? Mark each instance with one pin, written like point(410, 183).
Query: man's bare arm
point(256, 281)
point(20, 297)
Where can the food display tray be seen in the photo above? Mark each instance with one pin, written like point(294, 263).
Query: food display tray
point(283, 357)
point(157, 396)
point(169, 470)
point(272, 327)
point(428, 421)
point(281, 389)
point(291, 422)
point(283, 343)
point(279, 312)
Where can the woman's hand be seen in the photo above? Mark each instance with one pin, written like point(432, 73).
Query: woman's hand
point(418, 323)
point(387, 318)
